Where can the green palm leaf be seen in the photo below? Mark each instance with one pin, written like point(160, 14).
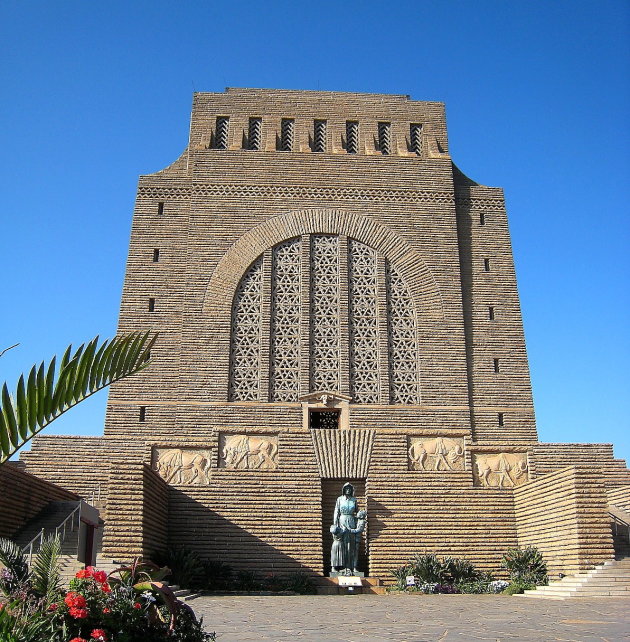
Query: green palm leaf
point(47, 394)
point(46, 569)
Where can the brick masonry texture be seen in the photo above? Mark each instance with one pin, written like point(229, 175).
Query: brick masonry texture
point(23, 495)
point(244, 479)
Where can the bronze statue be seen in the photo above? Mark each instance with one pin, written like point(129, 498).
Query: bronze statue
point(348, 524)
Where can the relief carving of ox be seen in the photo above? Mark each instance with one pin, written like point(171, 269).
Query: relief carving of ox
point(507, 470)
point(447, 454)
point(239, 450)
point(182, 466)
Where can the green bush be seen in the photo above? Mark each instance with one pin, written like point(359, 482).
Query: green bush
point(458, 571)
point(518, 587)
point(401, 574)
point(218, 576)
point(428, 570)
point(525, 566)
point(299, 583)
point(185, 565)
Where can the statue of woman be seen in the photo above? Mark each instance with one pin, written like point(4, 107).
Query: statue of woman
point(344, 518)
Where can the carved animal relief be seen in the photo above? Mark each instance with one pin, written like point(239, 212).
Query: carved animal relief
point(436, 453)
point(248, 452)
point(183, 466)
point(500, 470)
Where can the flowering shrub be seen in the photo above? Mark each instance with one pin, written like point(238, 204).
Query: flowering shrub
point(497, 586)
point(129, 605)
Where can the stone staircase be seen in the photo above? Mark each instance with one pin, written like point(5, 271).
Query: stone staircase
point(612, 579)
point(47, 520)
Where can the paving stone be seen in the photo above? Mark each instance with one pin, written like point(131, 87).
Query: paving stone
point(407, 618)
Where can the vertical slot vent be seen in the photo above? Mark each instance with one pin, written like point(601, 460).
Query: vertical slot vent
point(221, 132)
point(287, 129)
point(254, 134)
point(352, 136)
point(385, 138)
point(319, 136)
point(415, 138)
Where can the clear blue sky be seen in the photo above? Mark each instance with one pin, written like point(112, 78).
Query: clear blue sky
point(537, 97)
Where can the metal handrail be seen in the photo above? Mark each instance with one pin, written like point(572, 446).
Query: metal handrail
point(60, 531)
point(617, 522)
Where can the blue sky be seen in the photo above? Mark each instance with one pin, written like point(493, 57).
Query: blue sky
point(537, 97)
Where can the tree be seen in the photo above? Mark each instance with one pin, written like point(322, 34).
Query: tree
point(46, 394)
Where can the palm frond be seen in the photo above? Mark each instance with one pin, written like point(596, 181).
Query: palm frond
point(46, 394)
point(13, 559)
point(46, 569)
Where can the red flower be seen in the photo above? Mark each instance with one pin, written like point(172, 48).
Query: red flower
point(75, 599)
point(106, 610)
point(53, 607)
point(137, 605)
point(90, 570)
point(78, 613)
point(105, 587)
point(100, 577)
point(78, 640)
point(99, 634)
point(82, 574)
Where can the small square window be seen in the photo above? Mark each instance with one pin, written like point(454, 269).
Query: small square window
point(323, 419)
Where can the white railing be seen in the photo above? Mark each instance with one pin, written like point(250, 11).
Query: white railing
point(61, 531)
point(95, 495)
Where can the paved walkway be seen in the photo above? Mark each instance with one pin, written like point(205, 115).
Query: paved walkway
point(363, 618)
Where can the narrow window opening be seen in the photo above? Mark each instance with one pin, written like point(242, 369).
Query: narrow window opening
point(491, 313)
point(486, 265)
point(384, 138)
point(221, 132)
point(501, 419)
point(496, 365)
point(352, 137)
point(323, 419)
point(160, 208)
point(287, 128)
point(482, 218)
point(415, 138)
point(151, 305)
point(156, 255)
point(319, 136)
point(143, 414)
point(254, 134)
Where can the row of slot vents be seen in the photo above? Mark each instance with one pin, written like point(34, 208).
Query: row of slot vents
point(285, 142)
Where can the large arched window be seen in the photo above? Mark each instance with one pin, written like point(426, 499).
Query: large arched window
point(323, 312)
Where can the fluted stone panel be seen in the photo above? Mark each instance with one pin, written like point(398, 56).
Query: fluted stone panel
point(343, 453)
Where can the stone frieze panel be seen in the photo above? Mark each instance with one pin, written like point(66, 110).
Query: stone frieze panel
point(436, 453)
point(248, 451)
point(500, 470)
point(183, 466)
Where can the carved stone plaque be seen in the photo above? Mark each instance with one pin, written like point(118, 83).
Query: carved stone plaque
point(500, 470)
point(248, 451)
point(436, 453)
point(185, 466)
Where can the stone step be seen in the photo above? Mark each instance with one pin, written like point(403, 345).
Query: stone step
point(610, 579)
